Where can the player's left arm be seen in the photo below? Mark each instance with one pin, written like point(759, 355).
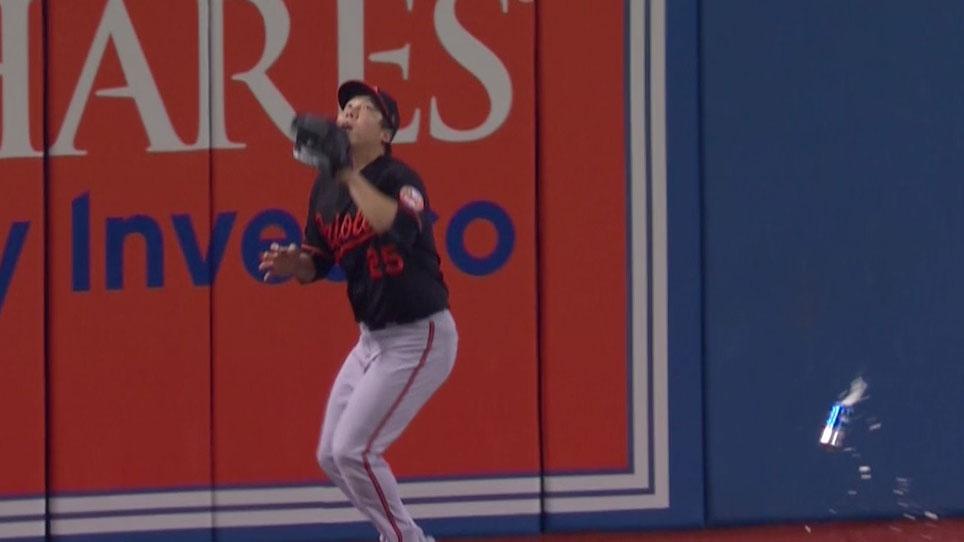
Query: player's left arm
point(400, 215)
point(379, 208)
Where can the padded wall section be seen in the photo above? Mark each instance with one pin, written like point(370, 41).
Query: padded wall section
point(129, 289)
point(22, 478)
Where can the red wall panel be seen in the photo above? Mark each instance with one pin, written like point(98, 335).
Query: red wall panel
point(22, 482)
point(583, 225)
point(129, 326)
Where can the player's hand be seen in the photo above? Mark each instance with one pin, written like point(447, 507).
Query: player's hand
point(279, 261)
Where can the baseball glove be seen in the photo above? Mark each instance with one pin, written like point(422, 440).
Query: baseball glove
point(320, 143)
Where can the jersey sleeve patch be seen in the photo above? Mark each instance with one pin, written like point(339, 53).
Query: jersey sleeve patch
point(410, 197)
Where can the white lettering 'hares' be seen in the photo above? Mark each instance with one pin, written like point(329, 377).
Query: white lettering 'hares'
point(117, 28)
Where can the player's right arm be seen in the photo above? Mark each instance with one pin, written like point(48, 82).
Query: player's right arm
point(310, 262)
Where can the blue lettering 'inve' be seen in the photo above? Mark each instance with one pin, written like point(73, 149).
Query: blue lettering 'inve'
point(268, 226)
point(118, 229)
point(203, 269)
point(12, 249)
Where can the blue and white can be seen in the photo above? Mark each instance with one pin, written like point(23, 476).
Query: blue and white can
point(835, 428)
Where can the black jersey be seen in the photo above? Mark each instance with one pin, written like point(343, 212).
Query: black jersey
point(394, 277)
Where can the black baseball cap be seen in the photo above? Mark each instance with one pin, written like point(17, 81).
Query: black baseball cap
point(383, 100)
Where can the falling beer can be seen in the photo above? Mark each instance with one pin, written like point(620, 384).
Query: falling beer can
point(833, 431)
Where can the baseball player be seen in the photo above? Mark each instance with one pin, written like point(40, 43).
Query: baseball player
point(368, 212)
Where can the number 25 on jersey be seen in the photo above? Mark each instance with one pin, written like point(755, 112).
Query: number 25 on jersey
point(384, 261)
